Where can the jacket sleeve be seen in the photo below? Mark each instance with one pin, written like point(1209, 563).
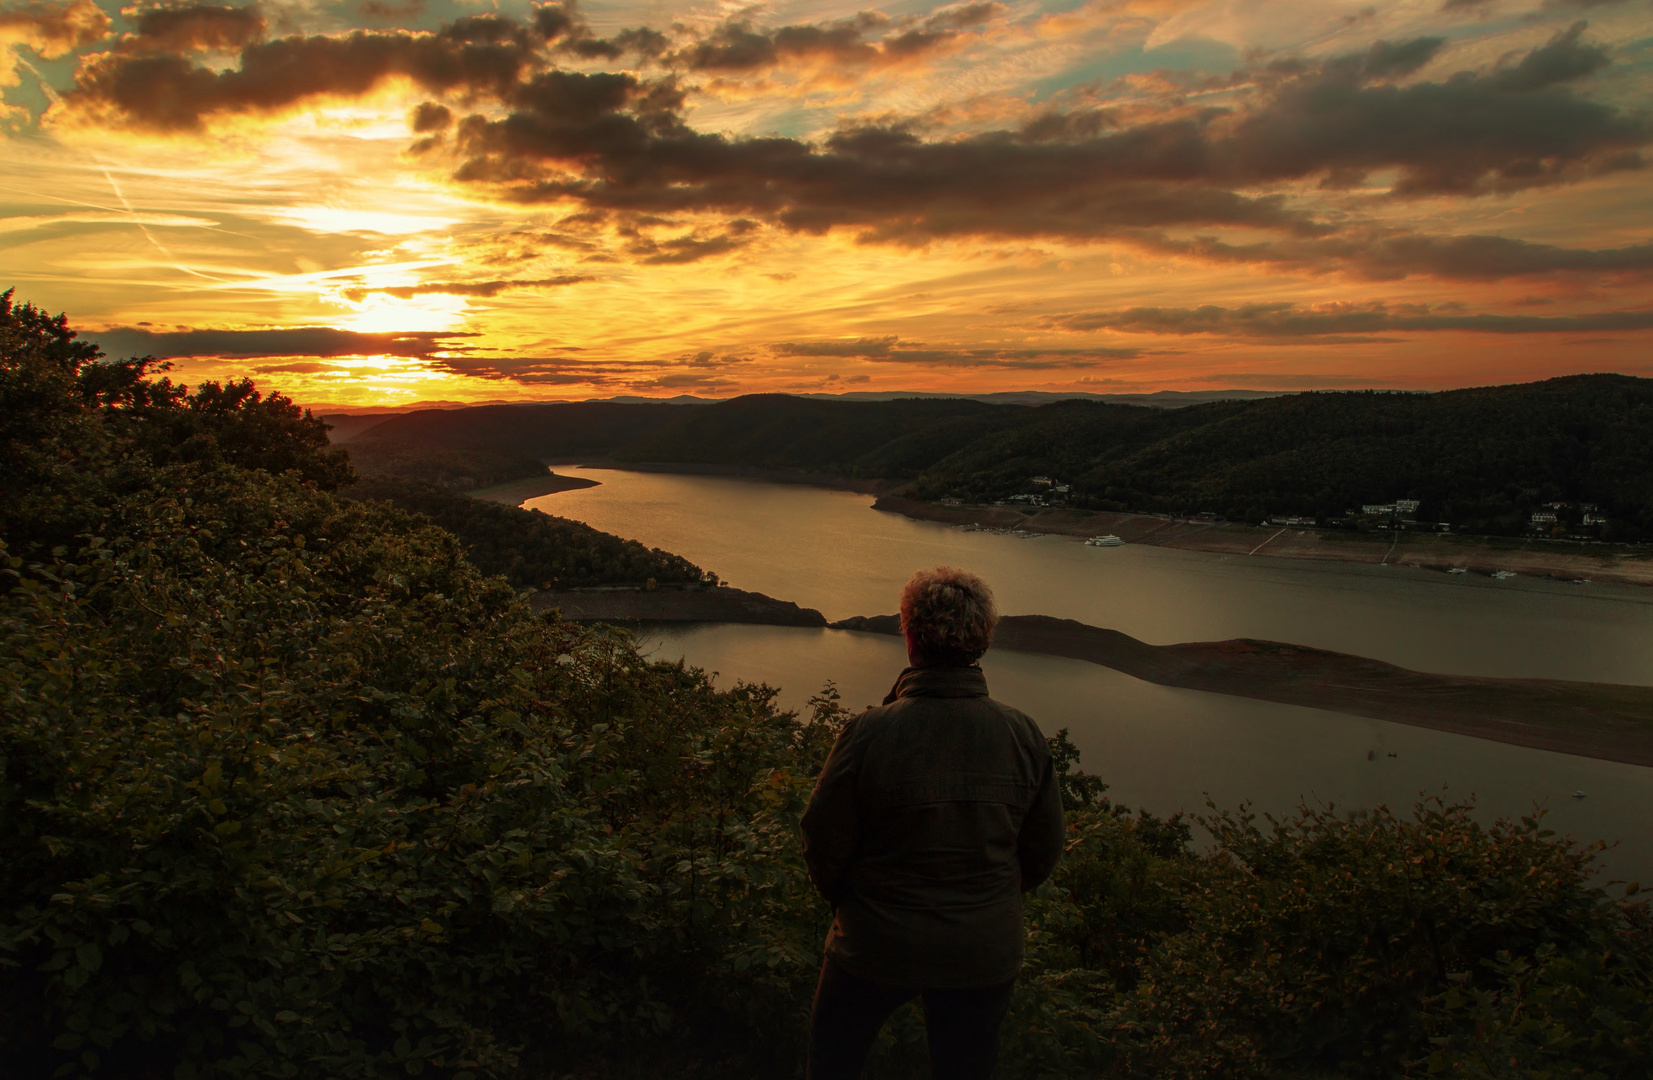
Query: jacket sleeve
point(829, 824)
point(1044, 832)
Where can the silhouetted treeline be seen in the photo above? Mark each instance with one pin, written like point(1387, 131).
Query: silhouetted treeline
point(1483, 459)
point(455, 469)
point(532, 549)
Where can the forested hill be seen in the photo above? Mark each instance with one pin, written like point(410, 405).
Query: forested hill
point(1484, 459)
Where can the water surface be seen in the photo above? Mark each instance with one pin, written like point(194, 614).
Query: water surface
point(828, 550)
point(1162, 747)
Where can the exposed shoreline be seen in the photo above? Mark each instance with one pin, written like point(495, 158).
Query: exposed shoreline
point(517, 492)
point(1434, 551)
point(1598, 720)
point(1571, 562)
point(718, 604)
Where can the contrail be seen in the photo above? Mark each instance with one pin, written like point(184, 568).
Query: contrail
point(55, 98)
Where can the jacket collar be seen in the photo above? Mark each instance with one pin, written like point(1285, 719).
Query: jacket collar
point(939, 682)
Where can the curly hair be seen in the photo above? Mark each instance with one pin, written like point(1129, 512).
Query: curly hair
point(948, 614)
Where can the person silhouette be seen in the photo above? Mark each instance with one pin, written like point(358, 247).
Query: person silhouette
point(933, 814)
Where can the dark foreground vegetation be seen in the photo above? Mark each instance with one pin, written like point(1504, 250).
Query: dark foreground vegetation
point(289, 789)
point(1483, 459)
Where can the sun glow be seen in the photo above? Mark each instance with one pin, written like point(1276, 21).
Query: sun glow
point(381, 314)
point(959, 216)
point(333, 219)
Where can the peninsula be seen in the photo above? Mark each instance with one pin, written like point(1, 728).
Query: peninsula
point(1599, 720)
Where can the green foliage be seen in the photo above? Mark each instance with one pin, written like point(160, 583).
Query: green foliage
point(533, 549)
point(1332, 945)
point(288, 788)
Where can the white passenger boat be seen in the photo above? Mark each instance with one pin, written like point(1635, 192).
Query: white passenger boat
point(1105, 541)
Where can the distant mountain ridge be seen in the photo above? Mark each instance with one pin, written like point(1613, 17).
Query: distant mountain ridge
point(1489, 459)
point(347, 424)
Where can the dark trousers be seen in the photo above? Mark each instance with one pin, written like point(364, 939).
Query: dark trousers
point(962, 1025)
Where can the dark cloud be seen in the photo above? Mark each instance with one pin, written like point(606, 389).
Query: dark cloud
point(53, 29)
point(297, 341)
point(1389, 257)
point(862, 347)
point(1287, 321)
point(430, 116)
point(1472, 134)
point(890, 350)
point(677, 250)
point(197, 26)
point(481, 54)
point(738, 46)
point(1492, 258)
point(301, 367)
point(620, 146)
point(464, 288)
point(379, 9)
point(1386, 59)
point(1563, 59)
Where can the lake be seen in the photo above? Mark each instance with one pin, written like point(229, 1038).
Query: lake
point(1161, 747)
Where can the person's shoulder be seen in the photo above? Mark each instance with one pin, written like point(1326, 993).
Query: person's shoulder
point(1023, 724)
point(866, 723)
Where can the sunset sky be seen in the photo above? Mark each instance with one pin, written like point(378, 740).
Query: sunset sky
point(378, 202)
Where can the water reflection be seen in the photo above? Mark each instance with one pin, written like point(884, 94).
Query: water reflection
point(1168, 749)
point(828, 550)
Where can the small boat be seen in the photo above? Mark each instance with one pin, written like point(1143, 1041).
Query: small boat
point(1105, 541)
point(1458, 570)
point(1500, 575)
point(1578, 795)
point(1393, 754)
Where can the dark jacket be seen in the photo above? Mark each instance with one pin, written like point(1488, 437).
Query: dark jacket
point(932, 816)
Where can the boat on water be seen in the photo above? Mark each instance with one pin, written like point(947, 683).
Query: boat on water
point(1105, 541)
point(1501, 575)
point(1578, 795)
point(1458, 570)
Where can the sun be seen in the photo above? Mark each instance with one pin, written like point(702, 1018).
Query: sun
point(377, 313)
